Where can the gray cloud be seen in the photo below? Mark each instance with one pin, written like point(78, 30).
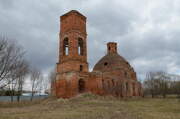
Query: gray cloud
point(6, 4)
point(148, 32)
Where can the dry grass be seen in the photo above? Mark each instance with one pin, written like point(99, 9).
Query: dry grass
point(88, 106)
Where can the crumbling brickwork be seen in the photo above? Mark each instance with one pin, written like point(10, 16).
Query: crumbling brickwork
point(112, 75)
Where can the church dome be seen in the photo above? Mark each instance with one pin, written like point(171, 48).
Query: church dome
point(113, 62)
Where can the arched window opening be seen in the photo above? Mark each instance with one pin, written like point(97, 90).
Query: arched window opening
point(81, 85)
point(127, 87)
point(133, 86)
point(109, 84)
point(113, 82)
point(134, 89)
point(117, 93)
point(81, 67)
point(80, 46)
point(103, 83)
point(109, 48)
point(121, 90)
point(66, 46)
point(125, 73)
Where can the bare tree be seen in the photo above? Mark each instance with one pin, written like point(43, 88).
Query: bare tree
point(41, 84)
point(15, 72)
point(176, 88)
point(163, 83)
point(157, 83)
point(22, 72)
point(11, 60)
point(52, 81)
point(149, 84)
point(46, 85)
point(10, 55)
point(35, 77)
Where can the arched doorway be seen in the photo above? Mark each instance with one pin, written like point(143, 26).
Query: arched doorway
point(134, 93)
point(81, 85)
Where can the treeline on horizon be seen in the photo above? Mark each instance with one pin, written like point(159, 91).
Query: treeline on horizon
point(9, 93)
point(161, 84)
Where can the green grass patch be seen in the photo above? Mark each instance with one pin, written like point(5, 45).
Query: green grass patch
point(90, 106)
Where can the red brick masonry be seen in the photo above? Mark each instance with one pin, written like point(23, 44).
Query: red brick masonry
point(112, 75)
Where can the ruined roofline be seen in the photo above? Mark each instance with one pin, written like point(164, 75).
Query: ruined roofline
point(73, 12)
point(112, 43)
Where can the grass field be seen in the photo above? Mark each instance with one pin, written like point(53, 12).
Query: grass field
point(88, 106)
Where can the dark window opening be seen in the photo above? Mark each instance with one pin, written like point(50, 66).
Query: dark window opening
point(109, 48)
point(109, 84)
point(103, 83)
point(81, 68)
point(133, 89)
point(113, 82)
point(133, 86)
point(81, 85)
point(117, 93)
point(80, 46)
point(125, 73)
point(105, 64)
point(121, 90)
point(127, 87)
point(66, 46)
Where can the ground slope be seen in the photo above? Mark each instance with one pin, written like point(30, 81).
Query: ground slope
point(88, 106)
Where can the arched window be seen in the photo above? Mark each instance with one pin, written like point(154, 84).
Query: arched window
point(102, 81)
point(125, 73)
point(134, 89)
point(81, 85)
point(133, 86)
point(80, 46)
point(66, 46)
point(127, 86)
point(109, 84)
point(81, 67)
point(113, 83)
point(121, 90)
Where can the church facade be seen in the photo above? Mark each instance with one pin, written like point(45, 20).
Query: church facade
point(112, 75)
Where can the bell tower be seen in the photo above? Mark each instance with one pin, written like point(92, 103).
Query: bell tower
point(72, 40)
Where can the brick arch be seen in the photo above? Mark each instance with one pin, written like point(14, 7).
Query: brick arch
point(80, 46)
point(134, 89)
point(127, 88)
point(81, 85)
point(66, 46)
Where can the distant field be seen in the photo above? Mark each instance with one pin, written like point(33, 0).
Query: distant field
point(88, 106)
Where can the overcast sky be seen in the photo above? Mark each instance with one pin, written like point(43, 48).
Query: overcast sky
point(147, 31)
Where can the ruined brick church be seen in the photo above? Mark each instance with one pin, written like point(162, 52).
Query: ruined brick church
point(112, 74)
